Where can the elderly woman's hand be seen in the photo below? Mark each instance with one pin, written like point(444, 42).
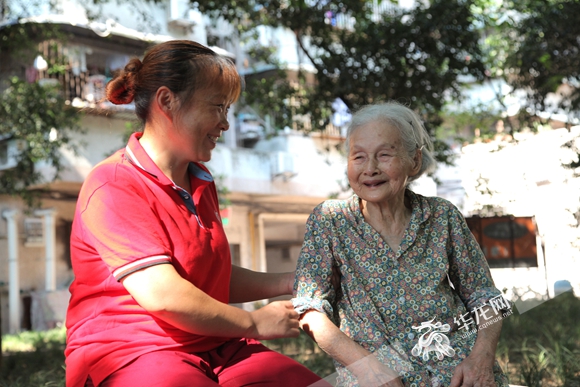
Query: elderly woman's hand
point(370, 372)
point(475, 371)
point(477, 368)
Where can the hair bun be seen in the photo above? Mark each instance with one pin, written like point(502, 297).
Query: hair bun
point(121, 89)
point(133, 66)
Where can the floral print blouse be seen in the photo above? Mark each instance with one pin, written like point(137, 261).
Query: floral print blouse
point(437, 275)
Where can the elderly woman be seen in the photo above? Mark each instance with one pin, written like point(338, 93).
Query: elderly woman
point(390, 283)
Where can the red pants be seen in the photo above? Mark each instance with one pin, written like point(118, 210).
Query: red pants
point(236, 363)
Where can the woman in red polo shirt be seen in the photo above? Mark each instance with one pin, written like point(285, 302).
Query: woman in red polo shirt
point(153, 273)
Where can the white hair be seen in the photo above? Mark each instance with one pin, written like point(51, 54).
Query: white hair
point(413, 133)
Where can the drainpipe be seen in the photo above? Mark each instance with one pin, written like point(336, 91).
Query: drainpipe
point(49, 246)
point(261, 244)
point(252, 228)
point(13, 273)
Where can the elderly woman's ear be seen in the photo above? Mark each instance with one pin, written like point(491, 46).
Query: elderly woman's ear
point(416, 162)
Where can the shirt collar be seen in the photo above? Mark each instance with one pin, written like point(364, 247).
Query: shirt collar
point(137, 156)
point(420, 209)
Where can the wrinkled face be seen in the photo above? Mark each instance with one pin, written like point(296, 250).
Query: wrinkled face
point(200, 123)
point(378, 166)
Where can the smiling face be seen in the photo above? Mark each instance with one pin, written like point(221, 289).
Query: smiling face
point(378, 166)
point(200, 123)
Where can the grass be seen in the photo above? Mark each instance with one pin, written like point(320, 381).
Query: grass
point(304, 350)
point(33, 359)
point(540, 347)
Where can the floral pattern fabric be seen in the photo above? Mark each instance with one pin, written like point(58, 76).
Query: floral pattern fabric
point(437, 274)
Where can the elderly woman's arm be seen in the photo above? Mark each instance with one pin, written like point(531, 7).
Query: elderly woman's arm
point(363, 364)
point(472, 279)
point(477, 368)
point(315, 294)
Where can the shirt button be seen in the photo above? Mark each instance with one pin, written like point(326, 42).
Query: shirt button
point(402, 300)
point(411, 336)
point(186, 197)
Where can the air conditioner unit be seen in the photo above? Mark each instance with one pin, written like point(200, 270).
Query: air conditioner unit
point(283, 165)
point(179, 14)
point(9, 152)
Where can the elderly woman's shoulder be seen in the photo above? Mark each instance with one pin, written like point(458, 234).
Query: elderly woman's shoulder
point(437, 203)
point(334, 207)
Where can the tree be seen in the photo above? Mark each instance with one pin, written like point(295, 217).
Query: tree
point(35, 117)
point(365, 53)
point(544, 57)
point(533, 46)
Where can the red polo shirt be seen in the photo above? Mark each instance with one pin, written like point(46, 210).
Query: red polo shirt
point(129, 216)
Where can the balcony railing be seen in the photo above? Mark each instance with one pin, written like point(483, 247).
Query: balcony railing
point(82, 90)
point(81, 87)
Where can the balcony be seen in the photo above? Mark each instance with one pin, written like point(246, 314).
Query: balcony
point(81, 72)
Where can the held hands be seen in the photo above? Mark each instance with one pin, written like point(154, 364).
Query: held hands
point(275, 320)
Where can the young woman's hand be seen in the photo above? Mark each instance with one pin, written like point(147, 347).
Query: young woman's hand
point(275, 320)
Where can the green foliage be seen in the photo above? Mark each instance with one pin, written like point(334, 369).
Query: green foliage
point(269, 90)
point(461, 125)
point(548, 54)
point(40, 119)
point(410, 54)
point(542, 346)
point(534, 46)
point(31, 340)
point(19, 44)
point(414, 55)
point(304, 350)
point(33, 359)
point(222, 191)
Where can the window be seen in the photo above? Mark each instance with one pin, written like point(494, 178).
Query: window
point(34, 232)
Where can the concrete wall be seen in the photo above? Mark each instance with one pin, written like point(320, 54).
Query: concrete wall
point(314, 172)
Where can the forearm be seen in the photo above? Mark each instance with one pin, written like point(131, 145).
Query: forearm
point(477, 368)
point(368, 370)
point(331, 339)
point(185, 306)
point(247, 285)
point(206, 316)
point(487, 337)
